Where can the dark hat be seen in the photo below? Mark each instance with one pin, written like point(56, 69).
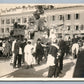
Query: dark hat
point(38, 39)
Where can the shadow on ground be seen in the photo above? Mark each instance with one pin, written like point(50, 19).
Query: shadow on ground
point(31, 73)
point(66, 68)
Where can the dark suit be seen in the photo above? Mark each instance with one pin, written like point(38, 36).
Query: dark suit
point(53, 70)
point(23, 46)
point(79, 68)
point(39, 52)
point(62, 45)
point(16, 57)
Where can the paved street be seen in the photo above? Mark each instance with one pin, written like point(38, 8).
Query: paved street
point(7, 71)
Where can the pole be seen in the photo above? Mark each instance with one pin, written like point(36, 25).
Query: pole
point(63, 26)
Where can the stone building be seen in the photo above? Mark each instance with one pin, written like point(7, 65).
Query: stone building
point(67, 21)
point(10, 16)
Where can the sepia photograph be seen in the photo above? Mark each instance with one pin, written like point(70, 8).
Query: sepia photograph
point(41, 41)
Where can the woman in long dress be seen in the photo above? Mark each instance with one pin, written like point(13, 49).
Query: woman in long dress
point(75, 50)
point(29, 59)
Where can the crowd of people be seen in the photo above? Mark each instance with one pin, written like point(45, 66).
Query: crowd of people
point(23, 51)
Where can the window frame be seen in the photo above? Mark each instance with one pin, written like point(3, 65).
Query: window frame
point(68, 16)
point(76, 27)
point(2, 30)
point(77, 16)
point(53, 17)
point(7, 29)
point(7, 21)
point(2, 22)
point(24, 20)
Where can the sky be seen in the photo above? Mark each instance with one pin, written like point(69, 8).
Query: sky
point(41, 1)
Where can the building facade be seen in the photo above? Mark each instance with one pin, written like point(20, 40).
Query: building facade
point(9, 17)
point(67, 21)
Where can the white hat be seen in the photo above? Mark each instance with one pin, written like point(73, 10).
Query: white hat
point(29, 40)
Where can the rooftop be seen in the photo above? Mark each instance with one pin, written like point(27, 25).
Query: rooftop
point(28, 8)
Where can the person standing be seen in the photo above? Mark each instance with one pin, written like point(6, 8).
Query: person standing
point(23, 44)
point(75, 47)
point(52, 61)
point(62, 47)
point(7, 48)
point(39, 51)
point(16, 53)
point(13, 54)
point(28, 54)
point(19, 54)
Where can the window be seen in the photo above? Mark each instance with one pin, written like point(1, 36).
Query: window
point(8, 21)
point(60, 17)
point(2, 21)
point(77, 16)
point(7, 29)
point(76, 27)
point(81, 27)
point(2, 30)
point(24, 20)
point(53, 18)
point(18, 20)
point(13, 21)
point(59, 35)
point(68, 28)
point(68, 17)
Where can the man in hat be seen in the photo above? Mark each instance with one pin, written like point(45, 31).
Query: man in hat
point(23, 44)
point(52, 61)
point(16, 52)
point(39, 51)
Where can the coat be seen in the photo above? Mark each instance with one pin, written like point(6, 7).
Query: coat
point(16, 48)
point(39, 50)
point(7, 48)
point(29, 59)
point(52, 56)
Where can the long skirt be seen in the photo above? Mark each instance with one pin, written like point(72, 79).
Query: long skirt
point(75, 49)
point(29, 59)
point(50, 60)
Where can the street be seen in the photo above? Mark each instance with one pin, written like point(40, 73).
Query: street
point(7, 71)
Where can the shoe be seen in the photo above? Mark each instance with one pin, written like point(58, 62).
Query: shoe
point(27, 67)
point(38, 63)
point(31, 66)
point(14, 67)
point(19, 66)
point(60, 72)
point(11, 63)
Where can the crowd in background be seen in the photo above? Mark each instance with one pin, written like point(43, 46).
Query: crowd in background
point(22, 51)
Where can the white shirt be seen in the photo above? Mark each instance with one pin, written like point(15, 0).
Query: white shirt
point(13, 44)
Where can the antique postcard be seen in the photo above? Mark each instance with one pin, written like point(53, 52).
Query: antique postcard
point(41, 42)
